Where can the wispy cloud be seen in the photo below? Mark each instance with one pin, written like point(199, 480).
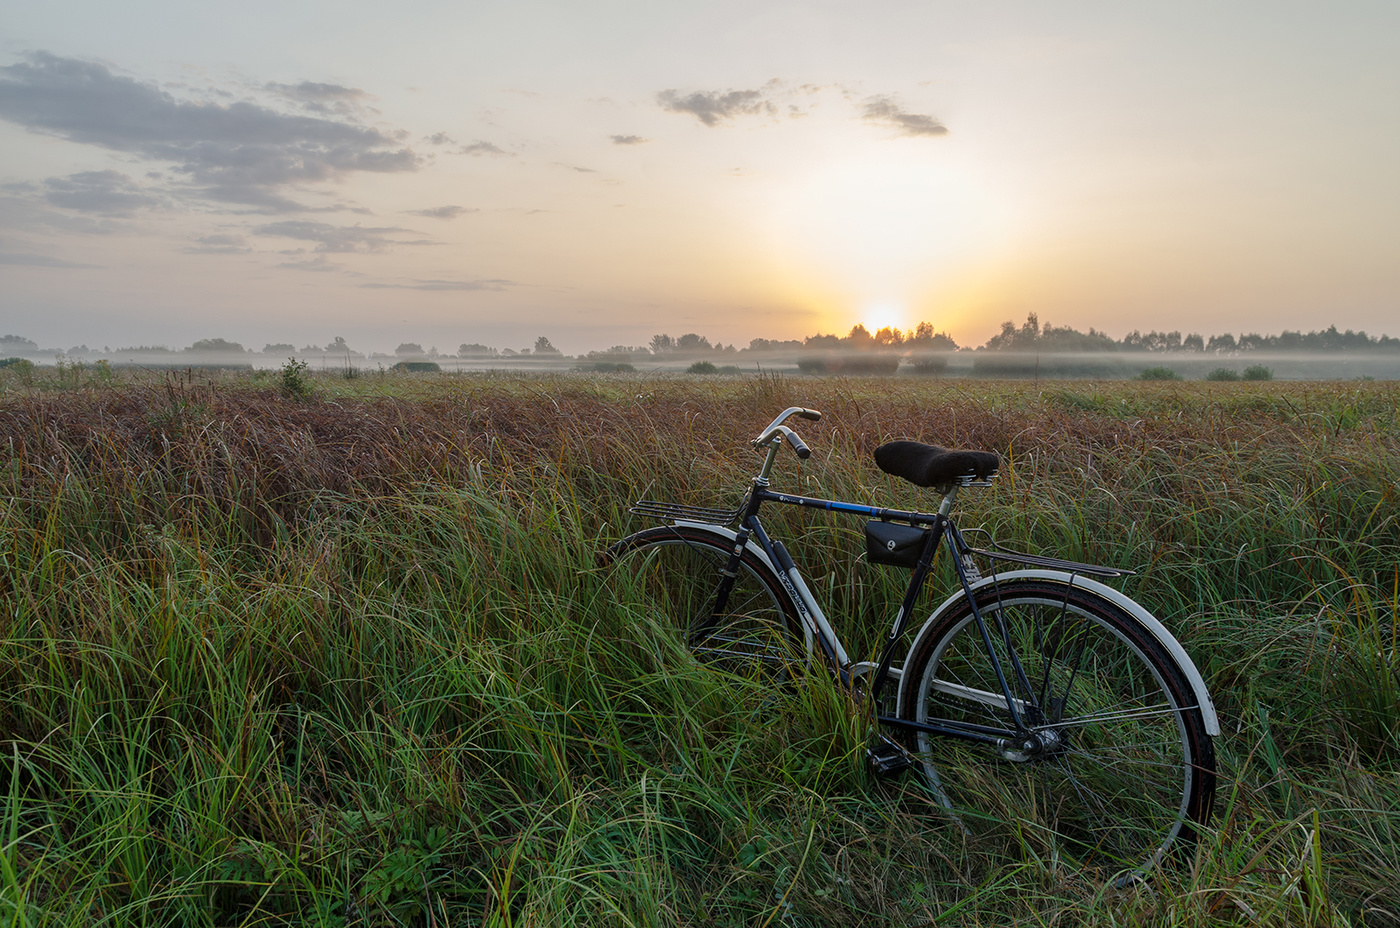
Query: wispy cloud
point(332, 239)
point(29, 260)
point(714, 106)
point(29, 213)
point(240, 152)
point(318, 263)
point(220, 244)
point(628, 139)
point(441, 285)
point(479, 148)
point(107, 193)
point(327, 99)
point(443, 212)
point(884, 111)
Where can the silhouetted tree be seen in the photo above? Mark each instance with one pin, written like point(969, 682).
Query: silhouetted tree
point(216, 344)
point(690, 343)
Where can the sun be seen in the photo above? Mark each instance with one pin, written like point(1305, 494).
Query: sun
point(882, 314)
point(883, 229)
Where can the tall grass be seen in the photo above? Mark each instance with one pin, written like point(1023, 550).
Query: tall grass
point(347, 658)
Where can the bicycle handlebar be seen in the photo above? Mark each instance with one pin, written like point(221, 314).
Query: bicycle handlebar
point(798, 445)
point(776, 430)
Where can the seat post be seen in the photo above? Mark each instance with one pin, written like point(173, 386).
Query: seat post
point(947, 505)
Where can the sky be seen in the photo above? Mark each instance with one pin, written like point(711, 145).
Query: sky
point(599, 171)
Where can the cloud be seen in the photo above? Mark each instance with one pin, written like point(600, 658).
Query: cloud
point(479, 148)
point(628, 139)
point(439, 138)
point(240, 152)
point(107, 193)
point(322, 98)
point(884, 111)
point(332, 239)
point(319, 263)
point(27, 260)
point(219, 245)
point(714, 107)
point(30, 213)
point(442, 285)
point(443, 212)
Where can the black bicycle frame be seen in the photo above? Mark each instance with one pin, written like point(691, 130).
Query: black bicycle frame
point(940, 527)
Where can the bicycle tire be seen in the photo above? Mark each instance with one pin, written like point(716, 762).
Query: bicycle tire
point(1128, 777)
point(673, 571)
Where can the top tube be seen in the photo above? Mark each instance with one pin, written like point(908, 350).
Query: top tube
point(831, 505)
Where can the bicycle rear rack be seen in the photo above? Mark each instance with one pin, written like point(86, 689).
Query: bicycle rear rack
point(995, 552)
point(654, 509)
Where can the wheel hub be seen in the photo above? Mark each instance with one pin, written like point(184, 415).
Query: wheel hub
point(1031, 745)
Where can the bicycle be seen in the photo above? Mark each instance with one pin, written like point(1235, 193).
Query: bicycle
point(1058, 693)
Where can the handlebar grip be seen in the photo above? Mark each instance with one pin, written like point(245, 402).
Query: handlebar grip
point(799, 446)
point(812, 414)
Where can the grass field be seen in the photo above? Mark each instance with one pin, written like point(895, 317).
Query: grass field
point(344, 658)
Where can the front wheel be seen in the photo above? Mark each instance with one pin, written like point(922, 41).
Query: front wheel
point(1111, 765)
point(671, 574)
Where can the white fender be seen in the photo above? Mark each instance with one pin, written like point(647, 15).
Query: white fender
point(1143, 617)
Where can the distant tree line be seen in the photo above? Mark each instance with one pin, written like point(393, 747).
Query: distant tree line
point(921, 350)
point(1031, 336)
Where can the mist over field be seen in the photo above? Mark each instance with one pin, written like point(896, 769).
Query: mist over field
point(1030, 351)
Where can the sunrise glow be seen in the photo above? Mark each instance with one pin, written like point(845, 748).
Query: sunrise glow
point(168, 179)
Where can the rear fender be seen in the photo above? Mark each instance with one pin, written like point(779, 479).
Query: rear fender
point(1144, 618)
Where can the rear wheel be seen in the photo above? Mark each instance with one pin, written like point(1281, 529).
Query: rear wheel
point(671, 574)
point(1112, 764)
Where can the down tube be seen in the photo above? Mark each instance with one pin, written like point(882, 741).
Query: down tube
point(788, 573)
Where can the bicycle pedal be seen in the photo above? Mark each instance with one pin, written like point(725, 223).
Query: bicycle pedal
point(887, 759)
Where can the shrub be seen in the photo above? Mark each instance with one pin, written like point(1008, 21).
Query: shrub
point(1258, 372)
point(929, 365)
point(702, 367)
point(22, 367)
point(1158, 373)
point(418, 367)
point(1223, 373)
point(295, 382)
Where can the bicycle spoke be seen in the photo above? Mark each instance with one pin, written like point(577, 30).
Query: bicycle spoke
point(1108, 772)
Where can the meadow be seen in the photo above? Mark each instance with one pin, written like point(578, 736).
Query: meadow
point(327, 650)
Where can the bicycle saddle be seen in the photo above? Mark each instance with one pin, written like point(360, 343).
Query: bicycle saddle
point(931, 466)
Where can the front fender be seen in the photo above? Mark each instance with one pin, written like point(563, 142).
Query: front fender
point(757, 551)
